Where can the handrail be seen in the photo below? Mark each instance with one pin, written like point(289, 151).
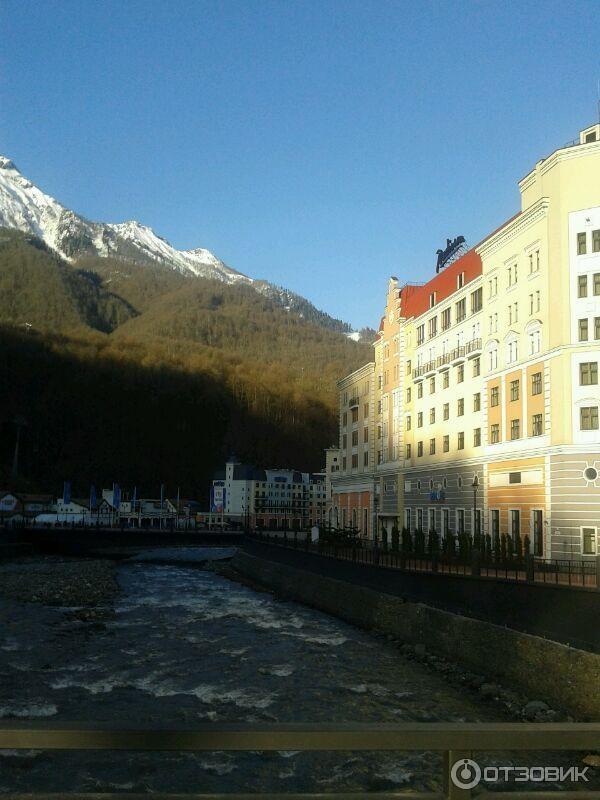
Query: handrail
point(457, 741)
point(302, 736)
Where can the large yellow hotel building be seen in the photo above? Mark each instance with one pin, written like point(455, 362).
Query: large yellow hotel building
point(480, 409)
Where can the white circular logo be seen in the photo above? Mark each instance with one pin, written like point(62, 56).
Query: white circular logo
point(465, 773)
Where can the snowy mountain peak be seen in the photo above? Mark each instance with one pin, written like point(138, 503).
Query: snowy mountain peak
point(29, 209)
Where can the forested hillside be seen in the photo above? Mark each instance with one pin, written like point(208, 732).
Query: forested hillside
point(142, 375)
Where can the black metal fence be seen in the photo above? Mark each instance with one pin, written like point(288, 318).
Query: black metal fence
point(575, 573)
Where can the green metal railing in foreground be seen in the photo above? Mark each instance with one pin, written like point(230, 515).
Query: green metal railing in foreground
point(456, 741)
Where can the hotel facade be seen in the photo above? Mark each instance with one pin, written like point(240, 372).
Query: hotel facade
point(480, 408)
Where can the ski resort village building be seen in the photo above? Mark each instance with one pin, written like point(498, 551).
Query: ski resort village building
point(480, 409)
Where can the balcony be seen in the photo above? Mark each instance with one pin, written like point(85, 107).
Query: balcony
point(354, 402)
point(473, 346)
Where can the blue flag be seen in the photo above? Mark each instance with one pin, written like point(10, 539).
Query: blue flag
point(116, 496)
point(134, 497)
point(93, 498)
point(66, 493)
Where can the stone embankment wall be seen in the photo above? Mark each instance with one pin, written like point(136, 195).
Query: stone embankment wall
point(560, 675)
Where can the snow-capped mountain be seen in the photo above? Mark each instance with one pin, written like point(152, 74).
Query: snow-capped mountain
point(26, 207)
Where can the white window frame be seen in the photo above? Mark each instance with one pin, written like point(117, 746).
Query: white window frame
point(595, 529)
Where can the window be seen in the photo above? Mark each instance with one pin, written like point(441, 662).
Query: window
point(596, 283)
point(515, 522)
point(535, 341)
point(354, 413)
point(581, 244)
point(588, 416)
point(365, 435)
point(476, 367)
point(583, 330)
point(446, 411)
point(366, 458)
point(431, 385)
point(408, 368)
point(494, 396)
point(582, 286)
point(476, 300)
point(344, 419)
point(420, 334)
point(446, 319)
point(366, 410)
point(495, 523)
point(537, 425)
point(495, 433)
point(419, 390)
point(355, 461)
point(538, 539)
point(420, 419)
point(477, 401)
point(596, 243)
point(408, 449)
point(512, 351)
point(446, 379)
point(460, 373)
point(461, 407)
point(460, 520)
point(354, 438)
point(461, 310)
point(461, 441)
point(477, 437)
point(431, 416)
point(432, 447)
point(432, 300)
point(536, 383)
point(514, 390)
point(344, 441)
point(460, 280)
point(408, 422)
point(432, 327)
point(493, 354)
point(588, 373)
point(344, 463)
point(515, 429)
point(419, 449)
point(408, 395)
point(588, 541)
point(446, 444)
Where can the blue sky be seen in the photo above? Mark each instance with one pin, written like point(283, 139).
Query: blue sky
point(320, 145)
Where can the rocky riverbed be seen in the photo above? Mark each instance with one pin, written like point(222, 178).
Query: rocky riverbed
point(53, 581)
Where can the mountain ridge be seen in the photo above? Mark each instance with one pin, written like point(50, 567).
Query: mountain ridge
point(27, 208)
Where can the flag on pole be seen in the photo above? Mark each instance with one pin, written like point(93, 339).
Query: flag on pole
point(116, 496)
point(162, 495)
point(66, 493)
point(93, 498)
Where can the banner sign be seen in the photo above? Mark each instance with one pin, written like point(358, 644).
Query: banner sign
point(217, 499)
point(8, 503)
point(437, 496)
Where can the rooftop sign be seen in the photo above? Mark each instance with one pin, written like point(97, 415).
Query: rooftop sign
point(454, 248)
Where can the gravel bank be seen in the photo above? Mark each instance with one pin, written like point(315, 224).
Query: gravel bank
point(58, 582)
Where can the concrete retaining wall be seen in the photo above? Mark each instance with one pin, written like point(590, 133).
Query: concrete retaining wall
point(560, 675)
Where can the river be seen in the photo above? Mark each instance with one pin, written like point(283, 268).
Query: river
point(182, 644)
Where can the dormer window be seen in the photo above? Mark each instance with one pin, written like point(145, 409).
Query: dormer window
point(460, 280)
point(432, 299)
